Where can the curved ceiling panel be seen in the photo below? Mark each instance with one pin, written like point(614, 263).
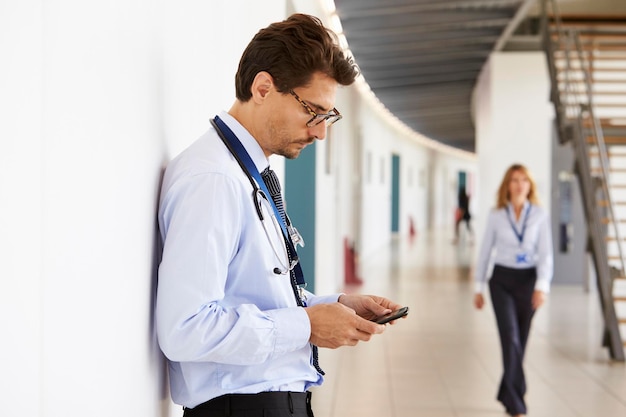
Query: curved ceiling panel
point(422, 58)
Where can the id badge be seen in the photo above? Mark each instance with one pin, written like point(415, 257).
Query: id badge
point(521, 258)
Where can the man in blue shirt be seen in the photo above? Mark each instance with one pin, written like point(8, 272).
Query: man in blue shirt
point(239, 331)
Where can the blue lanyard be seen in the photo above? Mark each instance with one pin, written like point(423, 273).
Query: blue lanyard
point(520, 236)
point(246, 163)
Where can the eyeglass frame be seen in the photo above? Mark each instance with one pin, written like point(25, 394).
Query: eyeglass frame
point(324, 117)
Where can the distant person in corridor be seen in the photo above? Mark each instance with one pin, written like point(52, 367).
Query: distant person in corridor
point(233, 318)
point(462, 215)
point(518, 230)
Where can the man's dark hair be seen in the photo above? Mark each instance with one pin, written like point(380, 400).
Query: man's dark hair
point(291, 51)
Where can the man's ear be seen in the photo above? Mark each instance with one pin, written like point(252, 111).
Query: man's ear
point(261, 86)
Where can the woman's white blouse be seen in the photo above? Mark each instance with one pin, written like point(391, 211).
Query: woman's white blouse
point(501, 244)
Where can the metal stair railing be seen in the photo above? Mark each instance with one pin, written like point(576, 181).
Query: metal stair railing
point(573, 106)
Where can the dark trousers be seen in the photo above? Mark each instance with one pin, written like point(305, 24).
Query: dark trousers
point(264, 404)
point(511, 295)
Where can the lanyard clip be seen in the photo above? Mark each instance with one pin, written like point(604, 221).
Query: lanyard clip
point(301, 292)
point(296, 237)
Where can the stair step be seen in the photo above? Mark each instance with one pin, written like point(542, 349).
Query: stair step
point(599, 37)
point(610, 140)
point(606, 220)
point(614, 122)
point(595, 81)
point(611, 153)
point(574, 70)
point(577, 74)
point(610, 105)
point(608, 47)
point(597, 105)
point(611, 170)
point(605, 203)
point(575, 67)
point(559, 56)
point(608, 93)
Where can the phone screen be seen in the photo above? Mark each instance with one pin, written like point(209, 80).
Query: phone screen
point(401, 312)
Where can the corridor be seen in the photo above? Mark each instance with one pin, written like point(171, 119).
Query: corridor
point(444, 359)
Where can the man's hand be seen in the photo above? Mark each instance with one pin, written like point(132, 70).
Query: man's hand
point(335, 325)
point(369, 306)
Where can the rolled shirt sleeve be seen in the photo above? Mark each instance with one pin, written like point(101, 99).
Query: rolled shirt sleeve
point(484, 257)
point(545, 257)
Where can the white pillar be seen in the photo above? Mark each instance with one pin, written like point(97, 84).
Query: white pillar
point(513, 118)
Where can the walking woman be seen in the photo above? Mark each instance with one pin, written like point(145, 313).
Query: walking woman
point(518, 231)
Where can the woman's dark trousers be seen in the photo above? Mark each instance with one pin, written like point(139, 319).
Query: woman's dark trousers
point(511, 294)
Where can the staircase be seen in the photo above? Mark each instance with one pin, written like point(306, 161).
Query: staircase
point(587, 63)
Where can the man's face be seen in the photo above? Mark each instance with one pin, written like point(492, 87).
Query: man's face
point(286, 130)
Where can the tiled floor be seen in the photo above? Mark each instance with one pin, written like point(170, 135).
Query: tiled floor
point(444, 359)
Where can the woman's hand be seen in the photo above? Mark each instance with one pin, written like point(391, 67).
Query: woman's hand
point(539, 297)
point(479, 301)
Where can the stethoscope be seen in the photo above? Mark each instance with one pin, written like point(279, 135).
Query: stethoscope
point(261, 202)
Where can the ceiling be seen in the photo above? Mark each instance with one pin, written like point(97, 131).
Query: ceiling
point(421, 58)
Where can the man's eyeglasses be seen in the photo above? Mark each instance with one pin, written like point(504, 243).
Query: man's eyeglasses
point(329, 118)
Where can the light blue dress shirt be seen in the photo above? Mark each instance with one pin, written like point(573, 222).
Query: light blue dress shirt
point(501, 245)
point(225, 321)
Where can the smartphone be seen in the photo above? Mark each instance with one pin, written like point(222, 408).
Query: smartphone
point(401, 312)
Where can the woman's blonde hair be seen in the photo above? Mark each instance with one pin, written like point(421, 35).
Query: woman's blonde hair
point(503, 192)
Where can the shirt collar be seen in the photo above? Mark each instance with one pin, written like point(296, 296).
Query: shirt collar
point(524, 207)
point(247, 140)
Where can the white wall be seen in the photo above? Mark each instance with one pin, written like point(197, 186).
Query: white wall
point(413, 184)
point(513, 125)
point(433, 170)
point(375, 227)
point(444, 183)
point(20, 207)
point(96, 98)
point(335, 205)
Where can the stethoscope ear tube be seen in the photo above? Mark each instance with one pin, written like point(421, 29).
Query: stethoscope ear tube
point(257, 204)
point(255, 188)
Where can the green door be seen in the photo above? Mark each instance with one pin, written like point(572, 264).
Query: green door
point(395, 193)
point(299, 196)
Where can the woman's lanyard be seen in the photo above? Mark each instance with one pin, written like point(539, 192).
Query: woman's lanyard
point(249, 168)
point(521, 257)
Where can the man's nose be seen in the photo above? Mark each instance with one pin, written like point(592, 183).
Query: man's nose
point(318, 131)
